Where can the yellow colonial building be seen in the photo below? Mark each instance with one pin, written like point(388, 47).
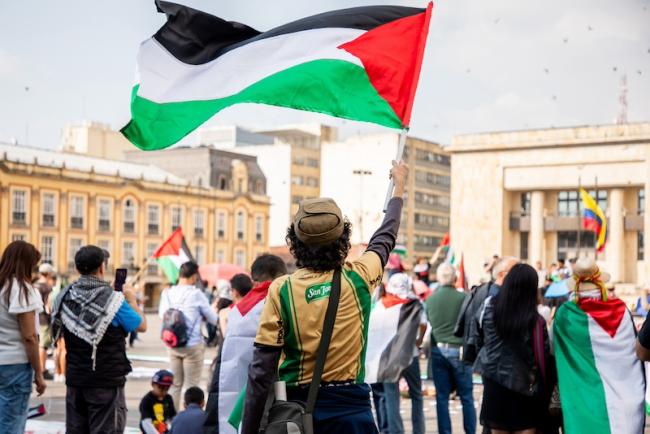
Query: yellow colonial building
point(62, 201)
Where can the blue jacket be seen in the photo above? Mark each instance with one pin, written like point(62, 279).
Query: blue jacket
point(189, 421)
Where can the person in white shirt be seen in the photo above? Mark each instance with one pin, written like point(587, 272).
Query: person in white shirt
point(20, 364)
point(187, 362)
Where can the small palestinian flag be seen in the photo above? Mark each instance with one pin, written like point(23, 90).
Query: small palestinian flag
point(231, 371)
point(360, 63)
point(172, 254)
point(602, 384)
point(391, 338)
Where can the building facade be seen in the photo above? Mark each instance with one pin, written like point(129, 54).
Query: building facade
point(355, 174)
point(60, 202)
point(94, 139)
point(516, 193)
point(290, 158)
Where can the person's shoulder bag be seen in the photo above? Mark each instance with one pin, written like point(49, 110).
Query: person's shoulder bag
point(296, 417)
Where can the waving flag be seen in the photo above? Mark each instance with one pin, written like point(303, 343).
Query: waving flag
point(172, 254)
point(602, 384)
point(593, 219)
point(360, 63)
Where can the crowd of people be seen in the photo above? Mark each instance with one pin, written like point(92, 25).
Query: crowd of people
point(305, 338)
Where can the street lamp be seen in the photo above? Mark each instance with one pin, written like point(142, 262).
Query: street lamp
point(361, 173)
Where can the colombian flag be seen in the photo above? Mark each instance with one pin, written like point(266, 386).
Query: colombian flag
point(593, 219)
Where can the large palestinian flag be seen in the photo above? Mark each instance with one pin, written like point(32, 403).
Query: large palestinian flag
point(231, 372)
point(392, 333)
point(602, 384)
point(172, 254)
point(360, 63)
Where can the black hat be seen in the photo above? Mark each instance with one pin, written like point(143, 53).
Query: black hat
point(88, 259)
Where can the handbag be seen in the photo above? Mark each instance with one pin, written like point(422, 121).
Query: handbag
point(296, 417)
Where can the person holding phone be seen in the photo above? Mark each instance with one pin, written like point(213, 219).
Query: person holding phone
point(94, 320)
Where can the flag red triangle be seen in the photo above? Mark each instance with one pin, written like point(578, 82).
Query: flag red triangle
point(608, 314)
point(392, 56)
point(390, 300)
point(253, 297)
point(172, 246)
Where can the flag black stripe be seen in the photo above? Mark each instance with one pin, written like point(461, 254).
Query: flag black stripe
point(196, 37)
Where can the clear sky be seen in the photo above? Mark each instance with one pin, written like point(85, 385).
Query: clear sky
point(489, 65)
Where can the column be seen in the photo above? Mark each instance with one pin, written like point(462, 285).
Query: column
point(536, 240)
point(616, 243)
point(5, 215)
point(92, 219)
point(34, 208)
point(62, 242)
point(646, 231)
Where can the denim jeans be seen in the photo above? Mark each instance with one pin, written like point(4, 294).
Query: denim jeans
point(15, 388)
point(379, 400)
point(391, 395)
point(449, 370)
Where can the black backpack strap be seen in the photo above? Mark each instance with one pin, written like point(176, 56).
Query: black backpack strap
point(326, 337)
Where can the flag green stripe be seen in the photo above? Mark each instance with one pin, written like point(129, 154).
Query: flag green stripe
point(329, 86)
point(581, 389)
point(169, 268)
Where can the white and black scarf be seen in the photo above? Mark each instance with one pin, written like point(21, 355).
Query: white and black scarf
point(86, 308)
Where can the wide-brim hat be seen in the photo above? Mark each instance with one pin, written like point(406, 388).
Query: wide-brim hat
point(586, 274)
point(318, 221)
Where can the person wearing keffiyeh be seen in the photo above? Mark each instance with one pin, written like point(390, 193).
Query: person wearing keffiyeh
point(94, 321)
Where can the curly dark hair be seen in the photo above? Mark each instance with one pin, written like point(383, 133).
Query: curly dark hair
point(320, 258)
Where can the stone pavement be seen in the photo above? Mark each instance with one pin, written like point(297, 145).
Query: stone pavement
point(149, 354)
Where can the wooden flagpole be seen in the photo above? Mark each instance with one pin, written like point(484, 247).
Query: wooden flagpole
point(400, 153)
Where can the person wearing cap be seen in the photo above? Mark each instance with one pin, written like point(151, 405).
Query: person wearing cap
point(157, 407)
point(293, 315)
point(95, 320)
point(44, 284)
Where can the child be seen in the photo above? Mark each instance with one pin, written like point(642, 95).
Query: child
point(157, 407)
point(192, 419)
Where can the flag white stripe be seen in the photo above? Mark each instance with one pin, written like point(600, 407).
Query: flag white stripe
point(381, 329)
point(163, 78)
point(622, 376)
point(179, 259)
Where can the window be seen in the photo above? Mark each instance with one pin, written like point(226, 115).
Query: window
point(432, 179)
point(241, 224)
point(432, 200)
point(259, 187)
point(153, 219)
point(312, 182)
point(259, 229)
point(47, 249)
point(640, 202)
point(152, 265)
point(77, 207)
point(18, 237)
point(199, 218)
point(431, 157)
point(177, 217)
point(128, 252)
point(223, 184)
point(129, 216)
point(567, 243)
point(106, 245)
point(313, 162)
point(75, 245)
point(296, 199)
point(297, 180)
point(432, 220)
point(523, 246)
point(221, 225)
point(105, 211)
point(640, 247)
point(240, 258)
point(298, 161)
point(199, 254)
point(49, 207)
point(567, 204)
point(19, 207)
point(525, 204)
point(220, 257)
point(426, 241)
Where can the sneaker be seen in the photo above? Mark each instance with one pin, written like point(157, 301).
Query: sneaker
point(48, 375)
point(59, 378)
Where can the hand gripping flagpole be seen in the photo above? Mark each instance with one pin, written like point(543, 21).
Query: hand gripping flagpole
point(400, 153)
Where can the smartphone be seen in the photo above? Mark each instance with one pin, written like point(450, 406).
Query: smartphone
point(120, 279)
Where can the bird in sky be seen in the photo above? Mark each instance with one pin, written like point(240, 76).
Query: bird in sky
point(590, 28)
point(565, 40)
point(614, 69)
point(546, 70)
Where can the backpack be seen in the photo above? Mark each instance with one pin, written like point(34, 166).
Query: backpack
point(174, 333)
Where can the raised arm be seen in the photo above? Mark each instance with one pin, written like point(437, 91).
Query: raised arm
point(383, 240)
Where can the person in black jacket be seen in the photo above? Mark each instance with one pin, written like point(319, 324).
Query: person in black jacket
point(508, 328)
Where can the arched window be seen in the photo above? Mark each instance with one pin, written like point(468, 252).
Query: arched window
point(241, 225)
point(129, 213)
point(222, 183)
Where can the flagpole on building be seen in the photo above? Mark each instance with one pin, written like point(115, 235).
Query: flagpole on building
point(400, 153)
point(579, 216)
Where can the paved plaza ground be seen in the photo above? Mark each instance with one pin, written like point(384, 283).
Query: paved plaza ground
point(147, 357)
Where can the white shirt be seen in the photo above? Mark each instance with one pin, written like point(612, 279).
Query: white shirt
point(195, 306)
point(12, 348)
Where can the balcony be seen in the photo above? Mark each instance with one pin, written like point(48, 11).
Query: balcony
point(19, 218)
point(153, 229)
point(104, 225)
point(519, 221)
point(48, 220)
point(129, 227)
point(258, 237)
point(198, 232)
point(152, 269)
point(77, 222)
point(240, 236)
point(221, 234)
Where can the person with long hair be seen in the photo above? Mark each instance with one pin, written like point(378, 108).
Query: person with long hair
point(20, 363)
point(513, 355)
